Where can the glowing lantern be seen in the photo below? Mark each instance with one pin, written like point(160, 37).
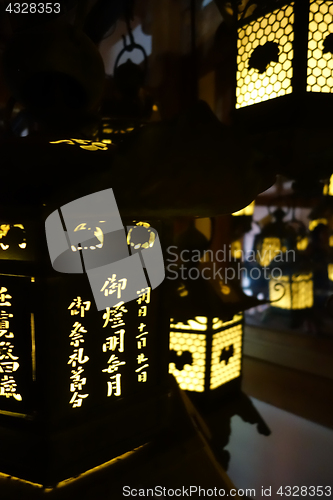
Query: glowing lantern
point(328, 188)
point(276, 238)
point(205, 345)
point(296, 280)
point(82, 384)
point(284, 61)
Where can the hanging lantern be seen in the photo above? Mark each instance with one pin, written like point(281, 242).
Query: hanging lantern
point(127, 104)
point(297, 279)
point(284, 50)
point(275, 238)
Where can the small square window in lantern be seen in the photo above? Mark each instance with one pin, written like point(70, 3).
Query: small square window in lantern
point(206, 353)
point(265, 57)
point(320, 47)
point(298, 291)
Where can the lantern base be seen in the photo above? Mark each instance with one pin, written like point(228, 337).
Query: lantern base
point(178, 457)
point(46, 456)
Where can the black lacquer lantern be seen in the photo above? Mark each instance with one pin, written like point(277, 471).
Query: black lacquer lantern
point(284, 63)
point(78, 386)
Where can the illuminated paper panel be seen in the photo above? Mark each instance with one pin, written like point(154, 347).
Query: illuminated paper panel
point(226, 354)
point(320, 62)
point(252, 86)
point(192, 376)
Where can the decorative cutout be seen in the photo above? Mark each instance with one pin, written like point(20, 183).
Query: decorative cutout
point(263, 56)
point(227, 353)
point(275, 27)
point(181, 359)
point(84, 144)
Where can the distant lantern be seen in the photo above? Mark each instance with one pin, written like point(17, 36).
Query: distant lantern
point(276, 238)
point(78, 386)
point(284, 54)
point(295, 278)
point(206, 341)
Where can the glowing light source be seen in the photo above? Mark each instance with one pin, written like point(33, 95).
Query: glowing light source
point(275, 81)
point(320, 62)
point(248, 210)
point(314, 223)
point(205, 352)
point(298, 291)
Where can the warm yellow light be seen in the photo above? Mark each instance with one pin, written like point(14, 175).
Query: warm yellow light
point(252, 86)
point(107, 141)
point(302, 244)
point(298, 291)
point(225, 354)
point(227, 341)
point(270, 248)
point(247, 210)
point(236, 249)
point(320, 63)
point(314, 223)
point(331, 241)
point(84, 144)
point(155, 107)
point(330, 271)
point(328, 188)
point(192, 376)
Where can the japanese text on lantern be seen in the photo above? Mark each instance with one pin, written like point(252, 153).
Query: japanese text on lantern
point(142, 334)
point(8, 361)
point(114, 346)
point(77, 359)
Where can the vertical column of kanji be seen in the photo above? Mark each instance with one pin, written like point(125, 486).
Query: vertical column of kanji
point(114, 345)
point(78, 359)
point(9, 363)
point(142, 335)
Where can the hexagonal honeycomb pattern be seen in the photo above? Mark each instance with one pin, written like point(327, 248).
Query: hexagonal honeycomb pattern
point(191, 377)
point(222, 372)
point(252, 86)
point(320, 66)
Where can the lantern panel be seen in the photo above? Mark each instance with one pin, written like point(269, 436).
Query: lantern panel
point(190, 348)
point(275, 292)
point(331, 240)
point(270, 248)
point(298, 291)
point(17, 345)
point(226, 352)
point(302, 291)
point(272, 31)
point(320, 62)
